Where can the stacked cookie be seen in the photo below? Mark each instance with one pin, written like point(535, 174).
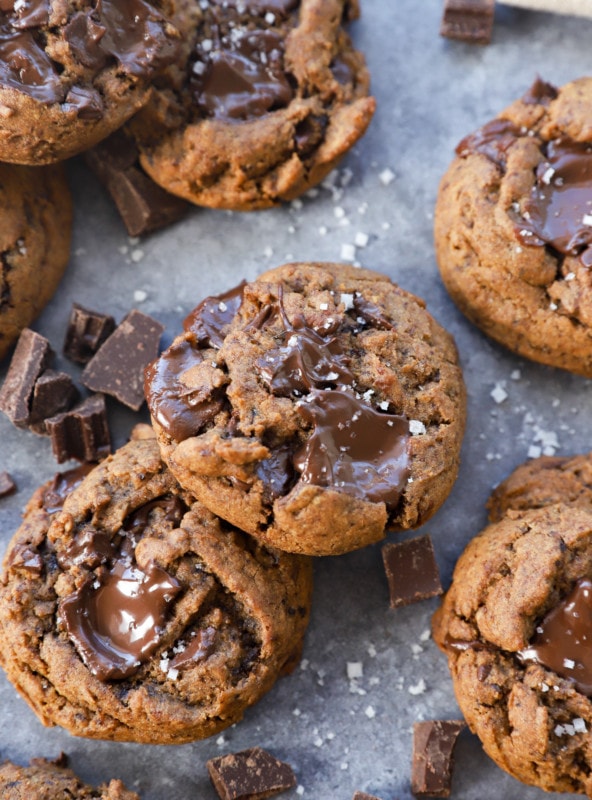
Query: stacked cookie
point(243, 105)
point(304, 413)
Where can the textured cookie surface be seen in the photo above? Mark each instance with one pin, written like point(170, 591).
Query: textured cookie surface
point(513, 226)
point(313, 407)
point(74, 71)
point(134, 614)
point(515, 626)
point(273, 96)
point(47, 780)
point(35, 230)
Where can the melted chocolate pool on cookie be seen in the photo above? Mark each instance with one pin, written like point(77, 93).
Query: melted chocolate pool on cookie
point(563, 640)
point(352, 446)
point(116, 618)
point(133, 34)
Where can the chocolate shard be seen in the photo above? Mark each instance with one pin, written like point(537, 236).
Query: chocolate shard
point(7, 485)
point(468, 20)
point(31, 357)
point(81, 433)
point(142, 204)
point(118, 367)
point(364, 796)
point(250, 775)
point(53, 393)
point(433, 750)
point(411, 571)
point(87, 331)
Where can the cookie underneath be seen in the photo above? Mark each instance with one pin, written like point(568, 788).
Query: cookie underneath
point(134, 614)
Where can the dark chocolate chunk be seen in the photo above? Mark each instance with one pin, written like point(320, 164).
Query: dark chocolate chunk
point(118, 367)
point(250, 775)
point(53, 393)
point(62, 485)
point(87, 331)
point(7, 485)
point(364, 796)
point(468, 20)
point(411, 571)
point(142, 204)
point(433, 746)
point(81, 433)
point(31, 357)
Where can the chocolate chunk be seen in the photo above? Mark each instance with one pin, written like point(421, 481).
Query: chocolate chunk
point(468, 20)
point(433, 746)
point(7, 485)
point(87, 331)
point(53, 393)
point(364, 796)
point(63, 483)
point(142, 204)
point(250, 775)
point(81, 433)
point(118, 367)
point(411, 571)
point(31, 357)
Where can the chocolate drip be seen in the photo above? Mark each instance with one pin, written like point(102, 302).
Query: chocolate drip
point(181, 411)
point(63, 483)
point(199, 648)
point(29, 14)
point(26, 67)
point(559, 211)
point(117, 617)
point(563, 640)
point(209, 319)
point(354, 448)
point(492, 140)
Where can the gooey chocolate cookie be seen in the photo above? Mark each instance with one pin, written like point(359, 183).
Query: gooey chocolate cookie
point(273, 95)
point(35, 231)
point(52, 780)
point(129, 612)
point(513, 226)
point(516, 626)
point(313, 407)
point(72, 72)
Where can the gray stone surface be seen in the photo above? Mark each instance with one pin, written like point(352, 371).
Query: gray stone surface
point(338, 735)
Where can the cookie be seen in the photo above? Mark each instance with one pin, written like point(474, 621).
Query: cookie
point(273, 96)
point(513, 226)
point(314, 408)
point(35, 232)
point(515, 626)
point(74, 71)
point(129, 612)
point(52, 780)
point(542, 482)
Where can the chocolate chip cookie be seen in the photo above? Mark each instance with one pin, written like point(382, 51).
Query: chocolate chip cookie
point(513, 226)
point(516, 626)
point(314, 407)
point(130, 612)
point(74, 71)
point(35, 231)
point(274, 94)
point(52, 780)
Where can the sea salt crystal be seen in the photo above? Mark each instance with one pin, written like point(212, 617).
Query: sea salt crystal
point(370, 712)
point(416, 427)
point(355, 670)
point(418, 688)
point(361, 239)
point(348, 252)
point(498, 393)
point(386, 176)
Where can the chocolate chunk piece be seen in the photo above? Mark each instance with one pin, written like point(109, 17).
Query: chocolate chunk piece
point(31, 357)
point(142, 204)
point(364, 796)
point(468, 20)
point(7, 485)
point(87, 331)
point(250, 775)
point(118, 367)
point(433, 746)
point(81, 433)
point(53, 393)
point(411, 571)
